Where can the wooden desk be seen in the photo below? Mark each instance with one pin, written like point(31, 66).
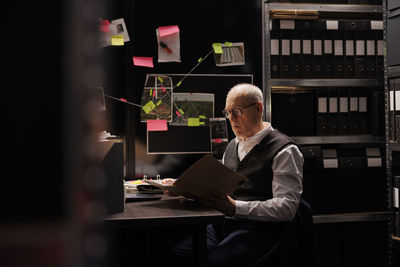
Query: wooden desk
point(170, 211)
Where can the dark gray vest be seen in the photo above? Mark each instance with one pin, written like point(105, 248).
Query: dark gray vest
point(256, 166)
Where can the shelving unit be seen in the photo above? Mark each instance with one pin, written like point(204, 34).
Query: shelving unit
point(392, 72)
point(342, 139)
point(368, 219)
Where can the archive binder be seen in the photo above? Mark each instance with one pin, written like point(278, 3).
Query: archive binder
point(392, 109)
point(396, 208)
point(333, 118)
point(362, 115)
point(352, 158)
point(338, 55)
point(275, 65)
point(380, 62)
point(371, 61)
point(397, 123)
point(290, 110)
point(374, 158)
point(360, 65)
point(317, 55)
point(312, 157)
point(353, 118)
point(322, 114)
point(307, 55)
point(328, 55)
point(285, 55)
point(330, 159)
point(344, 128)
point(349, 51)
point(296, 66)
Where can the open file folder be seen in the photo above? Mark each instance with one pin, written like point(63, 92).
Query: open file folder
point(206, 174)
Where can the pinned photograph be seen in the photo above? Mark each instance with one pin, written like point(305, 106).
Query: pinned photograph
point(112, 34)
point(118, 27)
point(156, 98)
point(228, 54)
point(192, 109)
point(219, 137)
point(168, 44)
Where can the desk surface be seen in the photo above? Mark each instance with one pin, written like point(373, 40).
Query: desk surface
point(167, 211)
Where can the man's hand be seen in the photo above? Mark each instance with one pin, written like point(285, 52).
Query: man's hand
point(218, 201)
point(169, 182)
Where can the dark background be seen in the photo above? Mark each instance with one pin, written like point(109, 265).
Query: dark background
point(200, 24)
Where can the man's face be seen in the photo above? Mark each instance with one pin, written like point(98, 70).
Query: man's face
point(243, 126)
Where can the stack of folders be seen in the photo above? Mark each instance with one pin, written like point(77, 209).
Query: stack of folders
point(350, 2)
point(394, 107)
point(317, 157)
point(342, 112)
point(326, 48)
point(396, 213)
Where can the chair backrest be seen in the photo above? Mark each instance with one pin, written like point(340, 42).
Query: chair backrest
point(298, 240)
point(296, 248)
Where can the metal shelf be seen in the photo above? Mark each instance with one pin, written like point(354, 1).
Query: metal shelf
point(396, 242)
point(329, 8)
point(351, 217)
point(395, 146)
point(393, 71)
point(327, 82)
point(341, 139)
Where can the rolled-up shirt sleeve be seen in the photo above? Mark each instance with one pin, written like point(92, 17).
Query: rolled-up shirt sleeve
point(287, 187)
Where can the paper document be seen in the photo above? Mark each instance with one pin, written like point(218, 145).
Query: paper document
point(159, 183)
point(208, 174)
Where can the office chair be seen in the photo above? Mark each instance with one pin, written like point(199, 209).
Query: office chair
point(296, 248)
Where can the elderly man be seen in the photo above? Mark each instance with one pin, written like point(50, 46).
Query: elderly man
point(258, 209)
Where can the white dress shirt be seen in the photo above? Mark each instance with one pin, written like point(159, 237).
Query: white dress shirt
point(287, 168)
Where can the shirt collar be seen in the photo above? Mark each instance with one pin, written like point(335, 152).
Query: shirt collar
point(257, 137)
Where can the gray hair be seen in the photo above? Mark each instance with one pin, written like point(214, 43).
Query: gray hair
point(248, 91)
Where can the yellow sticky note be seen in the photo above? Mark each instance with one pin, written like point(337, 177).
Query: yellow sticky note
point(149, 106)
point(117, 40)
point(217, 48)
point(181, 111)
point(193, 122)
point(158, 103)
point(202, 117)
point(228, 44)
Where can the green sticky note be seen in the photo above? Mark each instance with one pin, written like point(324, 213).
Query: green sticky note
point(117, 40)
point(193, 122)
point(228, 44)
point(149, 107)
point(217, 48)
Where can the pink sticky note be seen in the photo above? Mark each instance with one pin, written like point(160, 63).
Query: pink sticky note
point(104, 25)
point(217, 140)
point(157, 125)
point(167, 30)
point(143, 61)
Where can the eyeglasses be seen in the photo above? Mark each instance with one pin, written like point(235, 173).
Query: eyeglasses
point(237, 112)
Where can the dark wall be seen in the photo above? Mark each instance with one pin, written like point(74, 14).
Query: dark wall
point(201, 24)
point(30, 108)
